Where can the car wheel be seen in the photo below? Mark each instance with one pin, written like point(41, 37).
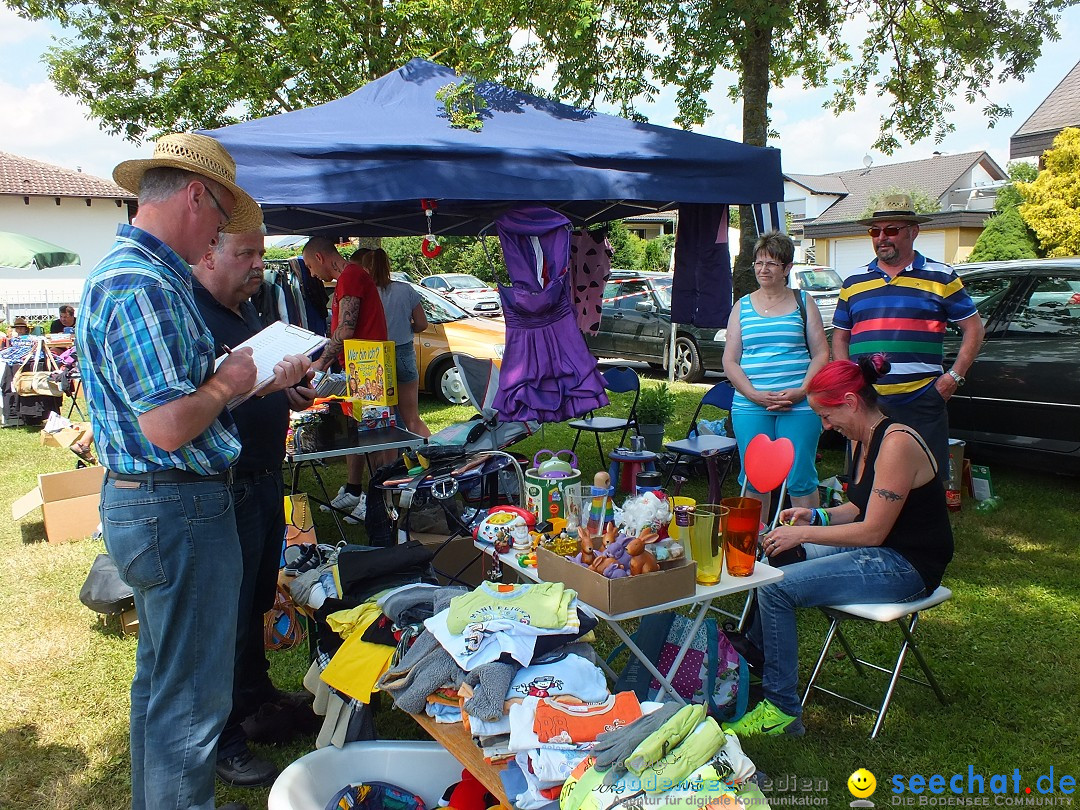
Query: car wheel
point(447, 383)
point(688, 366)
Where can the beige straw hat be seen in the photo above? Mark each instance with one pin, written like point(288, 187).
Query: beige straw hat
point(895, 208)
point(203, 156)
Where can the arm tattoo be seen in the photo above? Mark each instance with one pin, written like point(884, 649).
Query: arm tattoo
point(348, 314)
point(888, 494)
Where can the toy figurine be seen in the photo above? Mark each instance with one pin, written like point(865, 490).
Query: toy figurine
point(503, 541)
point(641, 561)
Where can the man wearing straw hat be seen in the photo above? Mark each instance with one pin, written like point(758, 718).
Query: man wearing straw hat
point(157, 407)
point(900, 304)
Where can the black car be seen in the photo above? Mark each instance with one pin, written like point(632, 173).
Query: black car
point(1021, 401)
point(636, 325)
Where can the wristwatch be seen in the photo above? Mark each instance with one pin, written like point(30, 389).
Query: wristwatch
point(956, 375)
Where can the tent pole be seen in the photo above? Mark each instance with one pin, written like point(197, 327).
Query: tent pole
point(671, 353)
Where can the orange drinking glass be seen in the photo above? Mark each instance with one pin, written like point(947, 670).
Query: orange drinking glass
point(741, 528)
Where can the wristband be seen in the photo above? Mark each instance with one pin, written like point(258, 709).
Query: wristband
point(815, 518)
point(825, 517)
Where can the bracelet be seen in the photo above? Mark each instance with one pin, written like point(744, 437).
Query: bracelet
point(815, 518)
point(820, 518)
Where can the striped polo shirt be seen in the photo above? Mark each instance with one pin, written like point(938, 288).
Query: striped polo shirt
point(905, 319)
point(143, 343)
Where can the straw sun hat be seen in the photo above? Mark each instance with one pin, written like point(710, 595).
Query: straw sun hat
point(203, 156)
point(896, 208)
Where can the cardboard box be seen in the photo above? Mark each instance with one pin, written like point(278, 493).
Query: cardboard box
point(618, 595)
point(126, 623)
point(370, 373)
point(69, 502)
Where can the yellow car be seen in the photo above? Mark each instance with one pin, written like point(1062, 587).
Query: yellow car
point(452, 329)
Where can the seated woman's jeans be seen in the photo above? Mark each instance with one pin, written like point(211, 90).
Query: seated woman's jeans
point(830, 575)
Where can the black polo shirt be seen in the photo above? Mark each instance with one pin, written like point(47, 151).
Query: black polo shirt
point(262, 422)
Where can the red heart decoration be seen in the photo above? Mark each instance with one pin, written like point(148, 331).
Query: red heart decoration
point(768, 462)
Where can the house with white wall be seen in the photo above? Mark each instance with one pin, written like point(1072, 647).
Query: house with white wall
point(72, 209)
point(964, 185)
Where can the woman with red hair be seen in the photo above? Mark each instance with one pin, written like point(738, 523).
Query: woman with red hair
point(889, 543)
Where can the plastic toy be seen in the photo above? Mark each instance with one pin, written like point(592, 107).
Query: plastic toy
point(513, 521)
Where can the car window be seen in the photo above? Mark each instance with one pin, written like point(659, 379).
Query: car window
point(817, 280)
point(631, 293)
point(662, 288)
point(468, 283)
point(1052, 308)
point(438, 309)
point(987, 292)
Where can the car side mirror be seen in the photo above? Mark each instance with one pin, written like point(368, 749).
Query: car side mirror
point(645, 306)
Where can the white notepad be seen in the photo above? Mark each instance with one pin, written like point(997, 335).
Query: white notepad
point(268, 348)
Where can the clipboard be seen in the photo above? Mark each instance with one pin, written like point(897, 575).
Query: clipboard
point(268, 347)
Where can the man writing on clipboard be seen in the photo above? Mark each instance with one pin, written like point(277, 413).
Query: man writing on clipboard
point(356, 314)
point(226, 277)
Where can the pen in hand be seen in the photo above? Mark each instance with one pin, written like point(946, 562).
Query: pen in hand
point(226, 349)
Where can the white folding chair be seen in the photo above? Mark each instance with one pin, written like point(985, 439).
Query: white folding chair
point(906, 617)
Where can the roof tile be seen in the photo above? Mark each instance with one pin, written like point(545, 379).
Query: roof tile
point(20, 175)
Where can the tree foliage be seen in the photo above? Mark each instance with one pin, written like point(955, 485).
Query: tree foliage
point(1051, 206)
point(1006, 235)
point(922, 200)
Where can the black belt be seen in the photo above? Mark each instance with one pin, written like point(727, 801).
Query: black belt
point(240, 476)
point(171, 477)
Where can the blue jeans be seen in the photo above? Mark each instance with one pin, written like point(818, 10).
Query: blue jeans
point(830, 575)
point(260, 525)
point(176, 546)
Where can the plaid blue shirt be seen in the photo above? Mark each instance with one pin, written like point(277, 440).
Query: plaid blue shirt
point(142, 343)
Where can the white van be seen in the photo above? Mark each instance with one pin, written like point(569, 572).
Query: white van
point(821, 283)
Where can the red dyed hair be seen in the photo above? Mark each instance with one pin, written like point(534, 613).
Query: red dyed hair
point(842, 377)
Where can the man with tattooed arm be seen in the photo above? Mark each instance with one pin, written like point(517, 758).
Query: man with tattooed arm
point(356, 313)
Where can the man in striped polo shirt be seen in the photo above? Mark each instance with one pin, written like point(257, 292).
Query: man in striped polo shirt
point(899, 304)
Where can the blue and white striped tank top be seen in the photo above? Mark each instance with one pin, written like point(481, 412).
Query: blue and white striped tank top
point(774, 353)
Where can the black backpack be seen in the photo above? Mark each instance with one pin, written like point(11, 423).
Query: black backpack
point(104, 591)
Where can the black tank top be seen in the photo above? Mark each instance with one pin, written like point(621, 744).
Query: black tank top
point(922, 533)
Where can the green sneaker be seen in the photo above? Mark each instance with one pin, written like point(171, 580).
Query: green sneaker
point(765, 718)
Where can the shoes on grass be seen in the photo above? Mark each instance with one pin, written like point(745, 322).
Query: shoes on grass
point(766, 719)
point(343, 501)
point(359, 512)
point(246, 770)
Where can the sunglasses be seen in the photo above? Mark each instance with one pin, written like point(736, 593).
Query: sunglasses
point(888, 230)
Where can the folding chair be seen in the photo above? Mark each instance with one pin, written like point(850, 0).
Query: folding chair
point(618, 380)
point(906, 616)
point(696, 444)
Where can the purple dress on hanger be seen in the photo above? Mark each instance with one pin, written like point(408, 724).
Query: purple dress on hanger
point(547, 372)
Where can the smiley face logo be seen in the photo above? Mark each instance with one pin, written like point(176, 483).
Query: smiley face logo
point(862, 784)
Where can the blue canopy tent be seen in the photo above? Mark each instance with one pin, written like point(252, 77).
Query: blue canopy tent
point(359, 166)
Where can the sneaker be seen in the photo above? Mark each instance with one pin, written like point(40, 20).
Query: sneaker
point(343, 501)
point(359, 512)
point(246, 770)
point(765, 718)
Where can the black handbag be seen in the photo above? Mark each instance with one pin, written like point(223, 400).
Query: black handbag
point(104, 591)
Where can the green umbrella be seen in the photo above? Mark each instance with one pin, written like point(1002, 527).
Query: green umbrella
point(19, 251)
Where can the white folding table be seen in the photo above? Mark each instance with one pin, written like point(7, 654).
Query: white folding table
point(703, 597)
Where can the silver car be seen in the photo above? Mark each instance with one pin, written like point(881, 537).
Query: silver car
point(470, 293)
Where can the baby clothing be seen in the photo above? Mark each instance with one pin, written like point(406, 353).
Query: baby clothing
point(542, 604)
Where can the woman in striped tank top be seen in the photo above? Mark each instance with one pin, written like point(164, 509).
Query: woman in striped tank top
point(770, 357)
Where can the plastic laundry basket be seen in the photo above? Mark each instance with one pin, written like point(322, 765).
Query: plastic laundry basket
point(425, 768)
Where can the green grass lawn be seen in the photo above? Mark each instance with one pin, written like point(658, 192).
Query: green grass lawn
point(1004, 649)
